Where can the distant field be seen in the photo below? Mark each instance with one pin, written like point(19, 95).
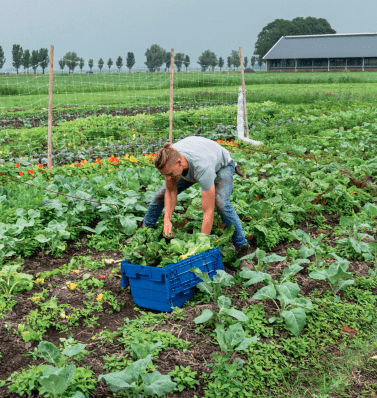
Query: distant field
point(30, 91)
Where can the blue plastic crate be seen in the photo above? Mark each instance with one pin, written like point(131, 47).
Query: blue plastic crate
point(172, 286)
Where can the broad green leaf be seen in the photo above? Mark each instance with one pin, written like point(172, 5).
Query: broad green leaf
point(222, 278)
point(157, 383)
point(306, 252)
point(224, 302)
point(56, 383)
point(274, 257)
point(49, 352)
point(301, 236)
point(202, 275)
point(295, 320)
point(204, 317)
point(267, 292)
point(261, 254)
point(290, 271)
point(320, 275)
point(42, 238)
point(205, 287)
point(303, 302)
point(289, 289)
point(78, 394)
point(246, 342)
point(129, 224)
point(373, 248)
point(343, 284)
point(239, 315)
point(73, 350)
point(346, 221)
point(254, 277)
point(117, 381)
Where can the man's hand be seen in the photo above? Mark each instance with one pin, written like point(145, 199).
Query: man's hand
point(168, 226)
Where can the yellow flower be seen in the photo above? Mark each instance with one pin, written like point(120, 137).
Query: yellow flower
point(126, 156)
point(195, 125)
point(133, 136)
point(40, 280)
point(72, 286)
point(92, 164)
point(72, 165)
point(100, 297)
point(69, 144)
point(94, 337)
point(76, 271)
point(67, 317)
point(36, 298)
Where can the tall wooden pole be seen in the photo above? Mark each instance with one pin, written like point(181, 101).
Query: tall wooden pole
point(244, 94)
point(171, 96)
point(51, 81)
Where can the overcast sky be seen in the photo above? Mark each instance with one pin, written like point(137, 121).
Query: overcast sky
point(109, 28)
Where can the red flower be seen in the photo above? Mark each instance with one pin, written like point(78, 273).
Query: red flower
point(115, 163)
point(101, 277)
point(227, 142)
point(78, 164)
point(98, 160)
point(221, 141)
point(17, 165)
point(20, 173)
point(40, 166)
point(112, 159)
point(235, 144)
point(30, 171)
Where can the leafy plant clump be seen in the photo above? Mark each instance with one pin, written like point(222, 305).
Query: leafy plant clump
point(148, 247)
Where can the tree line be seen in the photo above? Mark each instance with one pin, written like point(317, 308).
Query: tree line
point(157, 56)
point(25, 59)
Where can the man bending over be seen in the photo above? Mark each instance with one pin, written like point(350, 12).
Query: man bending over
point(191, 160)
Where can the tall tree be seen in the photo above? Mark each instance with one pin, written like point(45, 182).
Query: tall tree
point(119, 62)
point(186, 62)
point(17, 54)
point(34, 60)
point(235, 56)
point(2, 58)
point(167, 60)
point(130, 60)
point(61, 64)
point(207, 59)
point(245, 62)
point(253, 60)
point(71, 60)
point(221, 62)
point(100, 64)
point(44, 59)
point(81, 63)
point(109, 63)
point(273, 31)
point(178, 60)
point(229, 62)
point(260, 62)
point(26, 60)
point(90, 64)
point(155, 57)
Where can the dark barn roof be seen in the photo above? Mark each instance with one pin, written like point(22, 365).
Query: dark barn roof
point(347, 45)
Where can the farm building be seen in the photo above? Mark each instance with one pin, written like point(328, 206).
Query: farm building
point(323, 53)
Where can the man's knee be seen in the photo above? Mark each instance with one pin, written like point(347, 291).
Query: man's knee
point(160, 195)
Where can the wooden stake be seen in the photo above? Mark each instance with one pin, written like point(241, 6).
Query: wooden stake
point(244, 94)
point(51, 81)
point(171, 96)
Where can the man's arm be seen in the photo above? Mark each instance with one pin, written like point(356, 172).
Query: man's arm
point(208, 205)
point(171, 194)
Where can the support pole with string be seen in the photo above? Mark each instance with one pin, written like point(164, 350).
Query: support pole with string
point(171, 96)
point(244, 94)
point(50, 86)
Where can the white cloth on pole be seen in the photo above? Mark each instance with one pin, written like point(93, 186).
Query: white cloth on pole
point(240, 121)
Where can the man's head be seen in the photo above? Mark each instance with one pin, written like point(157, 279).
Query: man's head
point(168, 161)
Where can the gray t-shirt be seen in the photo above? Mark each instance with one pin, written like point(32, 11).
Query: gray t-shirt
point(205, 158)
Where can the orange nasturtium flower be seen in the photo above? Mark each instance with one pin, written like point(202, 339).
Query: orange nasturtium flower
point(35, 298)
point(100, 297)
point(98, 160)
point(40, 280)
point(40, 166)
point(72, 286)
point(112, 159)
point(78, 164)
point(17, 165)
point(31, 171)
point(20, 173)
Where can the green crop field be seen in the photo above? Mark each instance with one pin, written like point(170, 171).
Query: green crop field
point(295, 318)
